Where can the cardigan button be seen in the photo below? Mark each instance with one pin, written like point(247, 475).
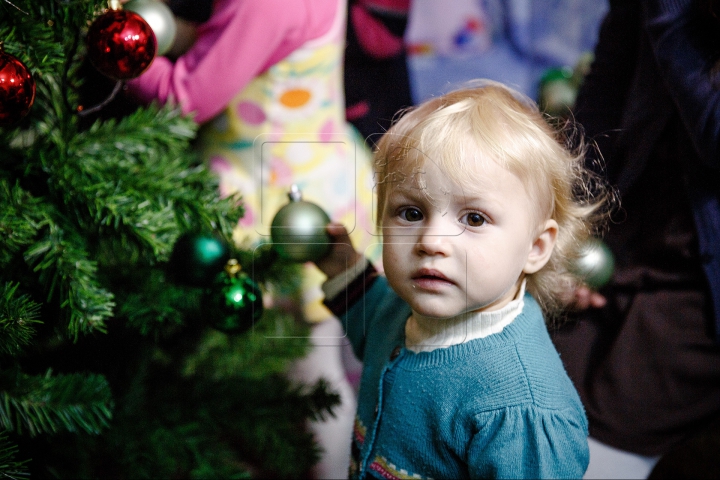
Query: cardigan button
point(395, 353)
point(377, 409)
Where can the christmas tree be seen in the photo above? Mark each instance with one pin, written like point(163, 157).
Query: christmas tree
point(111, 364)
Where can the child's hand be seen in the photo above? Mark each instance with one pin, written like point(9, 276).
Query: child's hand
point(342, 256)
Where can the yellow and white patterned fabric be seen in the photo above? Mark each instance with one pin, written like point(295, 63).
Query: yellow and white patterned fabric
point(288, 127)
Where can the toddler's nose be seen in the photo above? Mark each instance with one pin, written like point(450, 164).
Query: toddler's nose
point(435, 240)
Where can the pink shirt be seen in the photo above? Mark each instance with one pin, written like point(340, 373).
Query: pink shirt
point(241, 39)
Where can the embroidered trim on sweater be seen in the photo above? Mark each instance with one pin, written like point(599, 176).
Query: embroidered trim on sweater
point(387, 470)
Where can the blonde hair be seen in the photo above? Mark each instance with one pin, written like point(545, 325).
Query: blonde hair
point(488, 120)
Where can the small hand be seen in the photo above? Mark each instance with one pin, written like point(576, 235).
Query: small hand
point(342, 255)
point(583, 298)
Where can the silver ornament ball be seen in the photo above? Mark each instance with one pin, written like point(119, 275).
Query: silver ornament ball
point(298, 230)
point(160, 18)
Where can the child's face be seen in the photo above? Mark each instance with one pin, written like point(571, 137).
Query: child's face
point(447, 251)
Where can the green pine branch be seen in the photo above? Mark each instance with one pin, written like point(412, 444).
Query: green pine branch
point(28, 37)
point(9, 467)
point(44, 36)
point(21, 216)
point(68, 276)
point(63, 267)
point(267, 418)
point(227, 428)
point(18, 314)
point(275, 341)
point(51, 404)
point(124, 188)
point(154, 306)
point(148, 449)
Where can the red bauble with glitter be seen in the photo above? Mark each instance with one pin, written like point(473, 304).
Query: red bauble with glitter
point(17, 89)
point(121, 45)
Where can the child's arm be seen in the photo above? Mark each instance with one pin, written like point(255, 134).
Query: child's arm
point(350, 274)
point(355, 292)
point(239, 41)
point(529, 442)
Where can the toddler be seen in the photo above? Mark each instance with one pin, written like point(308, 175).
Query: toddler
point(481, 207)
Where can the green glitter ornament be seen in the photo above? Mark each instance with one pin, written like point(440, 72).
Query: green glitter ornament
point(196, 259)
point(234, 301)
point(595, 264)
point(298, 230)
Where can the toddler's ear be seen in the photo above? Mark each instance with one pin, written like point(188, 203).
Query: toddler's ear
point(542, 247)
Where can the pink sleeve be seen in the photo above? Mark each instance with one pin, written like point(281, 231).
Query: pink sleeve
point(240, 40)
point(374, 37)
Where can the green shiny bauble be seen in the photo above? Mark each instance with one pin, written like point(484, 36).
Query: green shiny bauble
point(557, 93)
point(233, 303)
point(160, 18)
point(196, 259)
point(298, 230)
point(595, 264)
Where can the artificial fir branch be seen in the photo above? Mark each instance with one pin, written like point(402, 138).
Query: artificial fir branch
point(18, 314)
point(154, 307)
point(274, 342)
point(278, 445)
point(21, 215)
point(50, 404)
point(9, 467)
point(68, 276)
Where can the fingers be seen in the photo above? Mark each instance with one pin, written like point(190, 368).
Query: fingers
point(585, 298)
point(342, 255)
point(597, 300)
point(336, 230)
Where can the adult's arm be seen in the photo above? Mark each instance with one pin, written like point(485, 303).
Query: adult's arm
point(684, 48)
point(603, 93)
point(241, 39)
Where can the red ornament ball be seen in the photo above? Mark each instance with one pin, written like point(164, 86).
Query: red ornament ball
point(17, 89)
point(121, 45)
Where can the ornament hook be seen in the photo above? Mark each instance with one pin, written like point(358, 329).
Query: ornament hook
point(23, 11)
point(82, 111)
point(295, 195)
point(232, 267)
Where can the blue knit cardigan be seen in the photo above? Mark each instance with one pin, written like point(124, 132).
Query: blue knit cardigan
point(495, 407)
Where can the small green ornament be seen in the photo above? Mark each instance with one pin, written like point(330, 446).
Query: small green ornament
point(234, 301)
point(298, 230)
point(557, 92)
point(595, 264)
point(196, 259)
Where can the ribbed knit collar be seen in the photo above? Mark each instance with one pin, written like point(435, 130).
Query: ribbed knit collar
point(428, 335)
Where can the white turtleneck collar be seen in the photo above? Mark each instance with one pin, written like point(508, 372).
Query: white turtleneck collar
point(429, 334)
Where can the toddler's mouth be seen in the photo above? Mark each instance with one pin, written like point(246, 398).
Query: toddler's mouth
point(430, 278)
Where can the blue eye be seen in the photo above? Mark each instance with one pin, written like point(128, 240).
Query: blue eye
point(411, 214)
point(473, 219)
